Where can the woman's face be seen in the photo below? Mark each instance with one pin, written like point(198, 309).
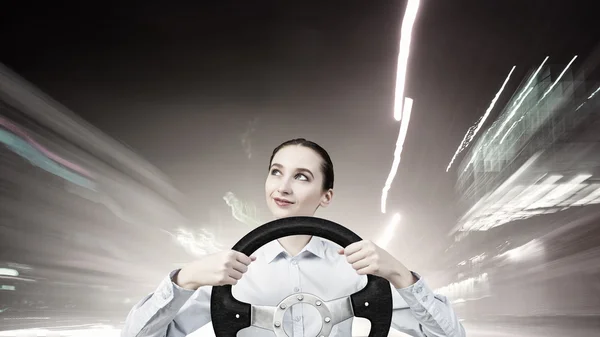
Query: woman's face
point(294, 186)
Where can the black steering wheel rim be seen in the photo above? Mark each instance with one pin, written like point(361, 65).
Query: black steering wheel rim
point(373, 302)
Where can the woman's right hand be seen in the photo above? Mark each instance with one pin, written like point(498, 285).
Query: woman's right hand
point(226, 267)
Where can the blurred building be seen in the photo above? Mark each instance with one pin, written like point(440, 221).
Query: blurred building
point(529, 188)
point(87, 226)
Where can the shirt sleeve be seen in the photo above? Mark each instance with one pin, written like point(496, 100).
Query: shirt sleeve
point(433, 312)
point(168, 311)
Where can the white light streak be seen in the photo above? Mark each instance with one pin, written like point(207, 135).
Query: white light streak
point(408, 103)
point(558, 78)
point(561, 192)
point(9, 272)
point(520, 99)
point(389, 231)
point(242, 211)
point(96, 331)
point(465, 288)
point(531, 249)
point(197, 244)
point(595, 92)
point(589, 198)
point(516, 104)
point(475, 128)
point(517, 122)
point(406, 36)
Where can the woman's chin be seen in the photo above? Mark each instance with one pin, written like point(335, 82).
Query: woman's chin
point(280, 214)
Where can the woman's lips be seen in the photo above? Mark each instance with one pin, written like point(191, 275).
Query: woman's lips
point(282, 202)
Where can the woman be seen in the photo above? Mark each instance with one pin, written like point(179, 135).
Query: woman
point(300, 180)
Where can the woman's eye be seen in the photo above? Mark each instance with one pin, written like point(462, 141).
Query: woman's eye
point(300, 176)
point(275, 172)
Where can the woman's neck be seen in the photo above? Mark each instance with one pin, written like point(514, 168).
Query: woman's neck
point(295, 243)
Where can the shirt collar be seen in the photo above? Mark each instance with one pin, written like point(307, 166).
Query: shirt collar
point(274, 249)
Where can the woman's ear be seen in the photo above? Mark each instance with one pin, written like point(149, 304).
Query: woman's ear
point(326, 198)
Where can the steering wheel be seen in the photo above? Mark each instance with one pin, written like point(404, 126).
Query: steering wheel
point(373, 302)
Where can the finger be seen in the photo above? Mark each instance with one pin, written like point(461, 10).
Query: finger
point(368, 270)
point(360, 264)
point(360, 255)
point(238, 266)
point(234, 274)
point(243, 258)
point(230, 280)
point(353, 248)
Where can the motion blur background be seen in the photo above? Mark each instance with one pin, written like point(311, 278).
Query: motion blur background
point(136, 139)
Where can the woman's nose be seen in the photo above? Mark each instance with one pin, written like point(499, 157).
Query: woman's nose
point(285, 187)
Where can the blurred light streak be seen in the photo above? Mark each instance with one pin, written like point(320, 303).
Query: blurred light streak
point(526, 201)
point(197, 244)
point(37, 105)
point(558, 79)
point(25, 150)
point(19, 278)
point(19, 132)
point(389, 231)
point(19, 266)
point(590, 97)
point(98, 331)
point(594, 93)
point(482, 204)
point(241, 211)
point(478, 258)
point(561, 192)
point(398, 152)
point(101, 198)
point(472, 131)
point(531, 249)
point(539, 101)
point(408, 21)
point(516, 104)
point(246, 137)
point(516, 122)
point(8, 272)
point(594, 195)
point(536, 191)
point(520, 99)
point(465, 288)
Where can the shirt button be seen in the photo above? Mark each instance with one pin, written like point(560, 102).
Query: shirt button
point(294, 262)
point(419, 289)
point(296, 289)
point(297, 319)
point(424, 298)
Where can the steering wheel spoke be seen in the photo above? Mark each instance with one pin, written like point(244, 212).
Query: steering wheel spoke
point(341, 309)
point(262, 317)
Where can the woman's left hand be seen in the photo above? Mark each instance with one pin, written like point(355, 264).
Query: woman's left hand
point(368, 258)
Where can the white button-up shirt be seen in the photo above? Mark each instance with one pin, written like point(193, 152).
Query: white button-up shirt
point(318, 269)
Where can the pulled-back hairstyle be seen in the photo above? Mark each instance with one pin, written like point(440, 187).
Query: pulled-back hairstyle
point(326, 165)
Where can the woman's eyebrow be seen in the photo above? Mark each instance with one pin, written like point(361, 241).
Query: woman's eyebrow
point(300, 169)
point(306, 170)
